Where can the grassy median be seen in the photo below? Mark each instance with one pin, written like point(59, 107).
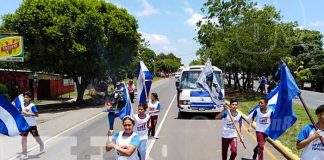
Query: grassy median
point(289, 138)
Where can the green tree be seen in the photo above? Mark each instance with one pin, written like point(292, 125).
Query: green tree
point(196, 62)
point(246, 40)
point(167, 62)
point(80, 38)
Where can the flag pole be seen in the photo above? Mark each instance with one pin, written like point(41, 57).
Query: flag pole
point(238, 133)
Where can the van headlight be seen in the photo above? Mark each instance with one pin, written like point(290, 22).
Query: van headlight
point(184, 102)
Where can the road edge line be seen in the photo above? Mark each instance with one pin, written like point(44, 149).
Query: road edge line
point(149, 148)
point(50, 139)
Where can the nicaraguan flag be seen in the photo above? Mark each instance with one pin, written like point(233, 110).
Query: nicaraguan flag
point(207, 80)
point(11, 121)
point(272, 98)
point(144, 79)
point(127, 110)
point(283, 115)
point(18, 102)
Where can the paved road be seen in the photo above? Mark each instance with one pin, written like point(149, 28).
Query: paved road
point(190, 138)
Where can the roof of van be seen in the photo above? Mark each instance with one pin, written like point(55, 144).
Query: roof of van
point(199, 67)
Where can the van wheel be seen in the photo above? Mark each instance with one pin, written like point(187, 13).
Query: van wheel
point(181, 114)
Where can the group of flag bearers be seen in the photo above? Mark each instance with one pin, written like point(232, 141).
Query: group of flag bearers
point(132, 141)
point(273, 115)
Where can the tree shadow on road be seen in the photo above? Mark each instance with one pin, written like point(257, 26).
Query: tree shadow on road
point(196, 116)
point(65, 106)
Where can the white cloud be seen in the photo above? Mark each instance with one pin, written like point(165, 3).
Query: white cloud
point(169, 48)
point(147, 9)
point(184, 41)
point(156, 38)
point(299, 27)
point(159, 42)
point(194, 19)
point(317, 24)
point(189, 10)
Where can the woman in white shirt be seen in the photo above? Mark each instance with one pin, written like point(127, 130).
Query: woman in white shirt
point(154, 109)
point(125, 142)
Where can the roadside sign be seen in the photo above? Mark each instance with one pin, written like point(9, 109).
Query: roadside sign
point(11, 48)
point(307, 85)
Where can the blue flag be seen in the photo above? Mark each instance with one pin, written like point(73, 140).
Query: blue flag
point(283, 116)
point(144, 79)
point(11, 121)
point(207, 80)
point(127, 110)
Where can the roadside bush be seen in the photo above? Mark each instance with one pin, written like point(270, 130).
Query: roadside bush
point(4, 91)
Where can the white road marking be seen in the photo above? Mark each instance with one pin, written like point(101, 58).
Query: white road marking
point(52, 138)
point(159, 129)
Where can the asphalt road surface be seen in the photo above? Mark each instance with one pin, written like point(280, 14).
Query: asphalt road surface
point(192, 137)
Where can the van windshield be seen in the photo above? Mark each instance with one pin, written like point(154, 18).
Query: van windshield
point(189, 79)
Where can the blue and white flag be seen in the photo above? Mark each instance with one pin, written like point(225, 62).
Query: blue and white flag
point(18, 102)
point(207, 80)
point(11, 120)
point(272, 98)
point(144, 82)
point(127, 110)
point(283, 115)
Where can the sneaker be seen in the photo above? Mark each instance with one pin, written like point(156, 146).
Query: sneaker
point(24, 156)
point(41, 148)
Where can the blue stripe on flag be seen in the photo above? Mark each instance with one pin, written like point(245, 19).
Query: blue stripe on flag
point(144, 79)
point(3, 128)
point(199, 94)
point(20, 121)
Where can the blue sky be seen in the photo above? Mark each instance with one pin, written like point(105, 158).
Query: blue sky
point(169, 25)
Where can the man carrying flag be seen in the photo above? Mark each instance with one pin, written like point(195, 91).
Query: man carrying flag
point(263, 116)
point(29, 111)
point(208, 82)
point(144, 82)
point(283, 116)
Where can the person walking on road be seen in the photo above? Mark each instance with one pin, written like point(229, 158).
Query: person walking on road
point(263, 117)
point(141, 128)
point(154, 109)
point(29, 112)
point(125, 142)
point(229, 135)
point(308, 138)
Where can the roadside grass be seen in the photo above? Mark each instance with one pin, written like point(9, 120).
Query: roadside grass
point(249, 100)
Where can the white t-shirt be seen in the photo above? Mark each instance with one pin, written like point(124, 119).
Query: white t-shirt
point(154, 106)
point(31, 120)
point(315, 149)
point(141, 125)
point(263, 120)
point(123, 142)
point(228, 127)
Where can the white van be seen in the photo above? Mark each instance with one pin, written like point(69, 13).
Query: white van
point(192, 98)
